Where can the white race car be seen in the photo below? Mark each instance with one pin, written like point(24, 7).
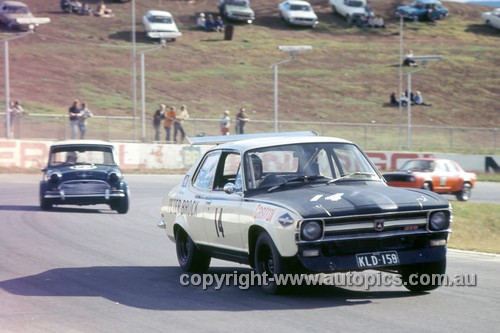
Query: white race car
point(492, 18)
point(294, 202)
point(298, 13)
point(160, 25)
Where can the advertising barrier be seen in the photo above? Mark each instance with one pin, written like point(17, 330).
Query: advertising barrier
point(34, 154)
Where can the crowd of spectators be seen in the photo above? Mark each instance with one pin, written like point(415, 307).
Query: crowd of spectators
point(85, 8)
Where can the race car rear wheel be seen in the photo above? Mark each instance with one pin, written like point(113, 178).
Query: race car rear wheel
point(45, 204)
point(423, 277)
point(268, 261)
point(465, 193)
point(427, 186)
point(190, 257)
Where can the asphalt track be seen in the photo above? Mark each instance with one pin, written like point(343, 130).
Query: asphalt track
point(88, 269)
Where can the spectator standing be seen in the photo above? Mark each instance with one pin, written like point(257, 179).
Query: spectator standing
point(181, 116)
point(241, 120)
point(169, 120)
point(157, 119)
point(82, 120)
point(224, 123)
point(16, 111)
point(74, 115)
point(200, 21)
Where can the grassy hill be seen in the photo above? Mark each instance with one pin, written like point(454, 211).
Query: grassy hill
point(347, 77)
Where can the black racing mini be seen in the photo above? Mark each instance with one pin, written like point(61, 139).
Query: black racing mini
point(294, 202)
point(83, 172)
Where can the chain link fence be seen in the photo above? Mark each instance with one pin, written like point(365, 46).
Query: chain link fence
point(369, 136)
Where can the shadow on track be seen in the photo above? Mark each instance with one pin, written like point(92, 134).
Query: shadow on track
point(159, 288)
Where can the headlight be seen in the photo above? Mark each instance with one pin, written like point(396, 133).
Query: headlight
point(439, 221)
point(311, 230)
point(52, 176)
point(114, 177)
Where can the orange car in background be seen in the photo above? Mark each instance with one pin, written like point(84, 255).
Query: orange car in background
point(437, 175)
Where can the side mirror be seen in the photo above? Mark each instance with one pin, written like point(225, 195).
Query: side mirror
point(229, 188)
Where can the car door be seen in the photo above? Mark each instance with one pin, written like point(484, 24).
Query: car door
point(199, 192)
point(222, 210)
point(441, 177)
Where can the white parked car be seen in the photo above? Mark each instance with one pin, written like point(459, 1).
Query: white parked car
point(16, 15)
point(348, 8)
point(237, 10)
point(492, 18)
point(298, 13)
point(160, 25)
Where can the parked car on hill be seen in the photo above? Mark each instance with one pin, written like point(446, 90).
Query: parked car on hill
point(492, 18)
point(160, 25)
point(418, 10)
point(237, 10)
point(349, 9)
point(83, 172)
point(298, 13)
point(295, 202)
point(16, 15)
point(437, 175)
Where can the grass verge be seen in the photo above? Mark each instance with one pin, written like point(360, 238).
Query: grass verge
point(476, 227)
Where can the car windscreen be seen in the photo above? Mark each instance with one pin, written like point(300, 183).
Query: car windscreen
point(303, 8)
point(71, 155)
point(417, 165)
point(308, 162)
point(160, 19)
point(17, 10)
point(239, 3)
point(354, 3)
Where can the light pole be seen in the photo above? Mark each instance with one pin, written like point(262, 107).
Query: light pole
point(7, 79)
point(143, 87)
point(293, 49)
point(134, 70)
point(423, 62)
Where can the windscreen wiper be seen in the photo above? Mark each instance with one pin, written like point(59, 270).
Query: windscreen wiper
point(348, 176)
point(303, 178)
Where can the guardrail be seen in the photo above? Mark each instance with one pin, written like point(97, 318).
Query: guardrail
point(369, 136)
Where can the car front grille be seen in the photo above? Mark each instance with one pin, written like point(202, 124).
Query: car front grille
point(303, 19)
point(84, 187)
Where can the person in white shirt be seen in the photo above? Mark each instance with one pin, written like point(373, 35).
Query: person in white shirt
point(224, 123)
point(82, 119)
point(200, 21)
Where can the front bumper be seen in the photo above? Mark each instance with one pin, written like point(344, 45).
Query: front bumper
point(240, 17)
point(164, 34)
point(60, 197)
point(304, 22)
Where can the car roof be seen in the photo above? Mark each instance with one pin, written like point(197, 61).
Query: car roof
point(159, 13)
point(81, 143)
point(248, 144)
point(13, 3)
point(428, 1)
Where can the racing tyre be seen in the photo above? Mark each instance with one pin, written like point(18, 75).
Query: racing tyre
point(334, 10)
point(45, 204)
point(465, 193)
point(348, 19)
point(268, 260)
point(121, 205)
point(190, 257)
point(413, 280)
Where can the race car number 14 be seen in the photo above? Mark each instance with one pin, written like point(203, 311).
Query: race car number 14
point(387, 258)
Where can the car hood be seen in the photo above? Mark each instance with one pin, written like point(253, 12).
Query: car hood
point(301, 14)
point(239, 9)
point(85, 172)
point(352, 198)
point(163, 27)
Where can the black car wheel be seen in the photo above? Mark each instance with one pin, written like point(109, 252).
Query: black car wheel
point(465, 193)
point(190, 257)
point(45, 204)
point(427, 186)
point(423, 277)
point(268, 260)
point(334, 10)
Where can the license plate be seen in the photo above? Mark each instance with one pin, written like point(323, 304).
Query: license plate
point(377, 259)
